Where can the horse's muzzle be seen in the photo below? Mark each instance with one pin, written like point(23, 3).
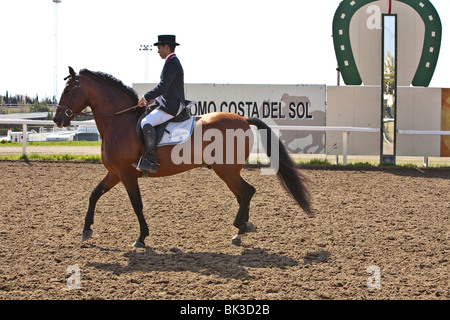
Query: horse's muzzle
point(61, 120)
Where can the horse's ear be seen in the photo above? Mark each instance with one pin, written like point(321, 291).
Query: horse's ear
point(72, 72)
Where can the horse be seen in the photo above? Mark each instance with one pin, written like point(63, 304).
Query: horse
point(114, 108)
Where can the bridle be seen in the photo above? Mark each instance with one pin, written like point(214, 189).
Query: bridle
point(68, 112)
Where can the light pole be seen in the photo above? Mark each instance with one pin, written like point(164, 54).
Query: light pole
point(146, 48)
point(55, 52)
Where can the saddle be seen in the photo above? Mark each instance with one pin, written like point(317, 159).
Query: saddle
point(183, 117)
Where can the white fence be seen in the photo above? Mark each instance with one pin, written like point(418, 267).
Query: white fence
point(345, 131)
point(25, 123)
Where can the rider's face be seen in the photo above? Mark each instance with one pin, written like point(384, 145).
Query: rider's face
point(163, 50)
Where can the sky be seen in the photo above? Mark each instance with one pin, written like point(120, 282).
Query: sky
point(233, 41)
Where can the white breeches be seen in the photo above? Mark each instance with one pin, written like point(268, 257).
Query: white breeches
point(156, 117)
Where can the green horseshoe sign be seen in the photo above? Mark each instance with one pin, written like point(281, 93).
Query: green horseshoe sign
point(430, 51)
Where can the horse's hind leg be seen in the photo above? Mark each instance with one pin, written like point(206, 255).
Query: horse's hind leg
point(108, 182)
point(244, 193)
point(244, 197)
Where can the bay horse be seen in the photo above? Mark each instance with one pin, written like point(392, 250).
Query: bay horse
point(115, 111)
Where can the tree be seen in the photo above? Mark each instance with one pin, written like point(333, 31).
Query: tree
point(39, 106)
point(389, 74)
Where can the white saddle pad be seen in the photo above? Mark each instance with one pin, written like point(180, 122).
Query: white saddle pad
point(177, 132)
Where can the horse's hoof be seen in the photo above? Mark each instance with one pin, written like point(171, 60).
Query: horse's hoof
point(250, 227)
point(138, 244)
point(237, 240)
point(87, 234)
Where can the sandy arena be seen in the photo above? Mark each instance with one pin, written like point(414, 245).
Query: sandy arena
point(395, 221)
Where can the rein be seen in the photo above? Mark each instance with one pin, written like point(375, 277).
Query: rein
point(68, 110)
point(111, 115)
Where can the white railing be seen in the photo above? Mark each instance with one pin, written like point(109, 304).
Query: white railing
point(423, 132)
point(26, 122)
point(345, 131)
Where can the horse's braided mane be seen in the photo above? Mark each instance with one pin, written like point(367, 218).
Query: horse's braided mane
point(109, 79)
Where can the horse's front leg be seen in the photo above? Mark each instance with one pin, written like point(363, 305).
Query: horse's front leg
point(108, 182)
point(134, 193)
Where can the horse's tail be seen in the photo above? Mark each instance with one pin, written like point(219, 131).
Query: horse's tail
point(291, 178)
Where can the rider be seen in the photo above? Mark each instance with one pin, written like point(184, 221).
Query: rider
point(168, 96)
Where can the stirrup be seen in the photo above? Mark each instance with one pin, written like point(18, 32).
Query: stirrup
point(136, 165)
point(152, 169)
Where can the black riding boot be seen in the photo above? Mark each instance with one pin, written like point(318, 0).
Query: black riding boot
point(148, 161)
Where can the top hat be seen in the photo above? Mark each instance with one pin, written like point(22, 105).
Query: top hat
point(166, 39)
